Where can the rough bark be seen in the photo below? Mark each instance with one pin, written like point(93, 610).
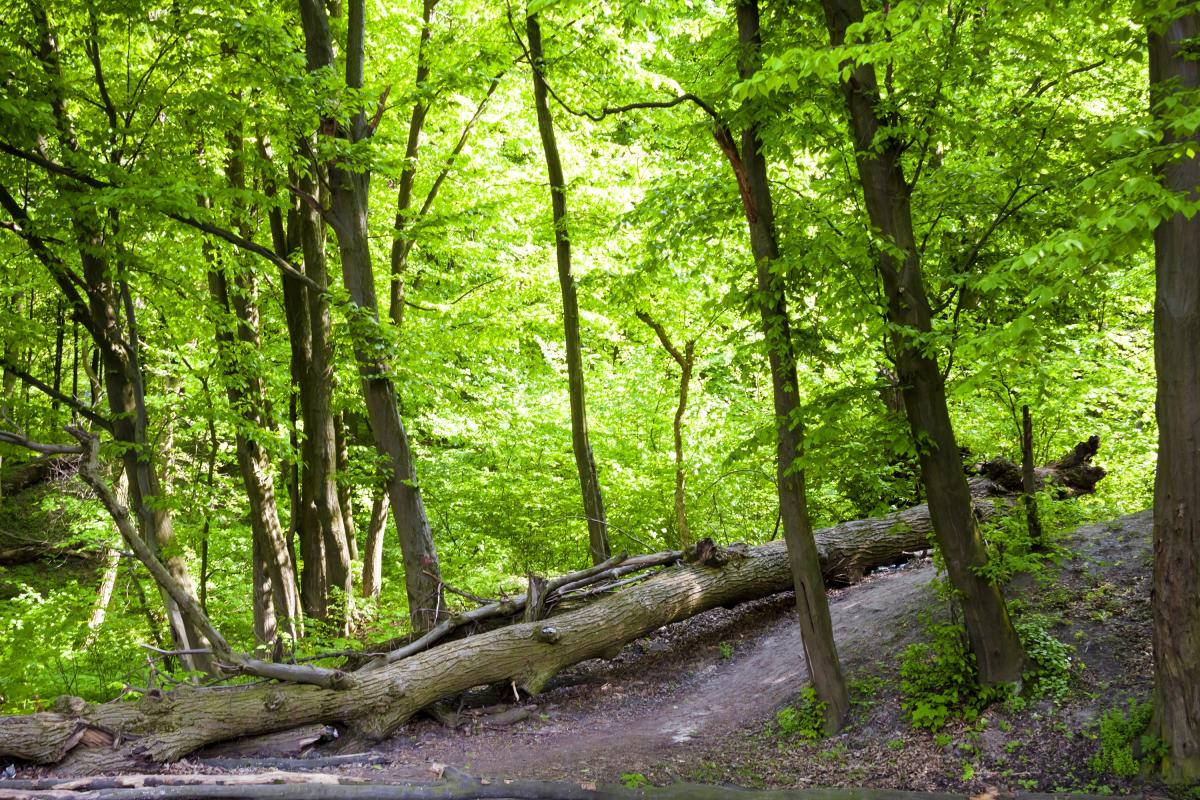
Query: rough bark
point(993, 639)
point(322, 533)
point(348, 218)
point(374, 701)
point(1176, 589)
point(585, 461)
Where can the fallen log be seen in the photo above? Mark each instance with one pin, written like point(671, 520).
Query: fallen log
point(453, 786)
point(375, 702)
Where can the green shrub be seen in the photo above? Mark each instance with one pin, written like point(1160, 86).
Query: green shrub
point(804, 719)
point(939, 680)
point(1049, 671)
point(1119, 730)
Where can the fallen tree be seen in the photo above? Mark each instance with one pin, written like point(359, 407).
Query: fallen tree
point(453, 785)
point(371, 703)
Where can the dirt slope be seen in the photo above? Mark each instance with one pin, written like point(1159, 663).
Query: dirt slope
point(696, 700)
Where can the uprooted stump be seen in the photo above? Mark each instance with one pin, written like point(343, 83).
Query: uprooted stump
point(160, 727)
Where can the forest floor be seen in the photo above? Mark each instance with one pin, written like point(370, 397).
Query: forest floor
point(697, 701)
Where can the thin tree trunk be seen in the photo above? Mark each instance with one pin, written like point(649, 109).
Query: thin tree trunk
point(373, 556)
point(1029, 479)
point(401, 244)
point(686, 361)
point(585, 462)
point(1176, 590)
point(345, 489)
point(348, 217)
point(112, 565)
point(993, 639)
point(750, 169)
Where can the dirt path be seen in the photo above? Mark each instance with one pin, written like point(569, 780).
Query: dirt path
point(620, 720)
point(696, 700)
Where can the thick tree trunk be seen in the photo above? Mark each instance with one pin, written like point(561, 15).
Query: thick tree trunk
point(585, 462)
point(993, 639)
point(323, 546)
point(348, 216)
point(1174, 70)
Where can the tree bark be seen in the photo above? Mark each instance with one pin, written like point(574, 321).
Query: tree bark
point(585, 461)
point(1176, 587)
point(379, 698)
point(993, 639)
point(322, 532)
point(348, 218)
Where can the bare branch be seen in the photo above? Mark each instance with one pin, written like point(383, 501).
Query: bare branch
point(72, 402)
point(17, 440)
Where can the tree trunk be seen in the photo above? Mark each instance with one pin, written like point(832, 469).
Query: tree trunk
point(750, 169)
point(993, 639)
point(247, 395)
point(348, 217)
point(380, 698)
point(686, 360)
point(106, 308)
point(1029, 480)
point(373, 553)
point(276, 603)
point(1176, 592)
point(585, 462)
point(323, 546)
point(345, 488)
point(401, 244)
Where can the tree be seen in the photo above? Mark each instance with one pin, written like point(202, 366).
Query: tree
point(347, 215)
point(750, 169)
point(585, 461)
point(1174, 78)
point(878, 152)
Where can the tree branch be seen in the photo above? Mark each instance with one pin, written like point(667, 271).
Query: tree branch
point(205, 227)
point(72, 402)
point(17, 440)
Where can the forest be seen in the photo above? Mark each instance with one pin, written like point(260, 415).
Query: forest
point(616, 398)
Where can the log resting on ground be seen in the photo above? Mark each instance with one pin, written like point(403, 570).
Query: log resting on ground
point(453, 786)
point(160, 727)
